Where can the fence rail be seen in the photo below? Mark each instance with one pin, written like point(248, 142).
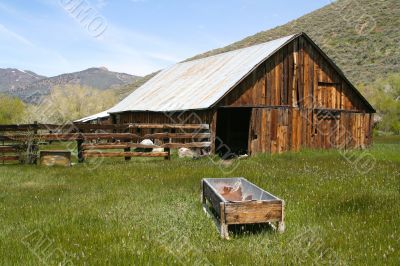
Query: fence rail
point(9, 153)
point(105, 136)
point(89, 154)
point(76, 127)
point(141, 126)
point(104, 146)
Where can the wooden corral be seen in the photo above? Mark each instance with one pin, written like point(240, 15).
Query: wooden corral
point(296, 98)
point(95, 140)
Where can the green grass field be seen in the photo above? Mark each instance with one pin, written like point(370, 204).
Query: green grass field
point(148, 211)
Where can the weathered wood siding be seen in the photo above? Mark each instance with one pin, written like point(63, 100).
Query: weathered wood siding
point(283, 129)
point(180, 117)
point(310, 105)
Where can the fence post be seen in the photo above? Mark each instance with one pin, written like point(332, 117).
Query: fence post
point(169, 154)
point(168, 150)
point(32, 145)
point(127, 149)
point(79, 143)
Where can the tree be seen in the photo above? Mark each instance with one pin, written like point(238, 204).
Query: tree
point(71, 102)
point(12, 110)
point(384, 95)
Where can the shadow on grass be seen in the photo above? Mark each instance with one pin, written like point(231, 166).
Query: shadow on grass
point(356, 204)
point(239, 230)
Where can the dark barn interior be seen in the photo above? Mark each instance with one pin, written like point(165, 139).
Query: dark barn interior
point(233, 130)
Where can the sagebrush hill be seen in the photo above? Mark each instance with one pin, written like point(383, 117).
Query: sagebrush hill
point(361, 36)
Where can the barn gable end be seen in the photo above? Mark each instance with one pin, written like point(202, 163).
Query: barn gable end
point(318, 82)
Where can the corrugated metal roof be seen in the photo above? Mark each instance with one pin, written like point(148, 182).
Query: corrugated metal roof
point(93, 117)
point(200, 83)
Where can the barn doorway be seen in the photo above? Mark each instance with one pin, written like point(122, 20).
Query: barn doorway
point(232, 134)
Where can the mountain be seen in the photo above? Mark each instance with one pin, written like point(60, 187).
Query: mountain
point(11, 78)
point(99, 78)
point(361, 36)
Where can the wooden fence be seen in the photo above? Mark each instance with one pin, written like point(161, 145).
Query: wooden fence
point(112, 140)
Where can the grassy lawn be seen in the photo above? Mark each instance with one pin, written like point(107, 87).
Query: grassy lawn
point(340, 208)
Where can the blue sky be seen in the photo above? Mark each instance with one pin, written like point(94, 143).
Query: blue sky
point(51, 37)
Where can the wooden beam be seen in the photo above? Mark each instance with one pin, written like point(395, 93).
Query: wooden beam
point(105, 136)
point(141, 126)
point(178, 136)
point(144, 146)
point(187, 145)
point(9, 158)
point(82, 127)
point(7, 149)
point(29, 127)
point(73, 136)
point(118, 146)
point(94, 154)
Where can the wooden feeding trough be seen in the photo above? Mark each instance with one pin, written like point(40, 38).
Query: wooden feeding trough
point(52, 158)
point(238, 201)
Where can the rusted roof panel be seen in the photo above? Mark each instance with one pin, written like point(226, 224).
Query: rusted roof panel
point(200, 83)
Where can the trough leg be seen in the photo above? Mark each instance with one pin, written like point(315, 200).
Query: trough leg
point(224, 227)
point(281, 227)
point(224, 231)
point(202, 198)
point(281, 223)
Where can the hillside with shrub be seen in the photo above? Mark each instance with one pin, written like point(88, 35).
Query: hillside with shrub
point(361, 36)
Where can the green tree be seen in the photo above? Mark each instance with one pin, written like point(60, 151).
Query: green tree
point(12, 110)
point(384, 95)
point(71, 102)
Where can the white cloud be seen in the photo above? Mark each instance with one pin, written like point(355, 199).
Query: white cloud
point(140, 53)
point(164, 57)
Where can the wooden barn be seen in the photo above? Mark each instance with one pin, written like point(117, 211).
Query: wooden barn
point(282, 95)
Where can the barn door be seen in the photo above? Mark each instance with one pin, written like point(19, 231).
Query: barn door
point(269, 131)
